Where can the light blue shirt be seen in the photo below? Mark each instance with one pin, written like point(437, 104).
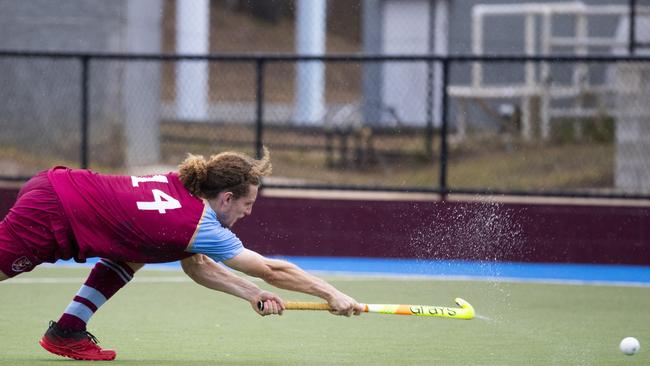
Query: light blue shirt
point(215, 240)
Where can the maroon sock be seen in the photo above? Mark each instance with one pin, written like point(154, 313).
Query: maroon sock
point(106, 278)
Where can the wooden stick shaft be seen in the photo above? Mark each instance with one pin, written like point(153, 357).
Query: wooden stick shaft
point(302, 305)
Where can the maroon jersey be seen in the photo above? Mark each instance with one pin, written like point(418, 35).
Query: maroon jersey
point(148, 219)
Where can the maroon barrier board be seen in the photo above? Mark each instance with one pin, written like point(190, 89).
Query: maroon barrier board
point(7, 199)
point(526, 232)
point(431, 229)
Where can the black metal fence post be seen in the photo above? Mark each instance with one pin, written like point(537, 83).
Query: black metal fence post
point(84, 111)
point(631, 46)
point(428, 143)
point(444, 112)
point(259, 113)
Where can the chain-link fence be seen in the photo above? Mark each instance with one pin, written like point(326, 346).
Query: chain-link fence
point(522, 125)
point(551, 125)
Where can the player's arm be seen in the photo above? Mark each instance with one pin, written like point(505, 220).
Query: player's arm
point(288, 276)
point(210, 274)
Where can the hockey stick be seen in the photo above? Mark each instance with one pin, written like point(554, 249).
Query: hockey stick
point(465, 311)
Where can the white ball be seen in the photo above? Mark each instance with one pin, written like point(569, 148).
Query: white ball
point(629, 346)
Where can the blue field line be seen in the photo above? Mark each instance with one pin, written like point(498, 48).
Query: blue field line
point(506, 271)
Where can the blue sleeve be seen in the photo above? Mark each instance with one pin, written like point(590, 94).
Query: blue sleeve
point(214, 240)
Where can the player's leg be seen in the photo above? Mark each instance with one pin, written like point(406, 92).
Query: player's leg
point(106, 278)
point(15, 256)
point(68, 337)
point(33, 230)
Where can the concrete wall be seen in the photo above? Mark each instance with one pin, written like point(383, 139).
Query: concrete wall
point(406, 31)
point(632, 128)
point(632, 114)
point(40, 99)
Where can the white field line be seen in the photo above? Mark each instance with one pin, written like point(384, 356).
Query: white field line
point(80, 280)
point(346, 276)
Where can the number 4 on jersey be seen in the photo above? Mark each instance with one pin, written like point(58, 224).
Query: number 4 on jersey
point(161, 202)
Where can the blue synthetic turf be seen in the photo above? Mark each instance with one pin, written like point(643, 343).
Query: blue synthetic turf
point(583, 273)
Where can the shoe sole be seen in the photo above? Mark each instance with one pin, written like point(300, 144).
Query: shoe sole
point(74, 357)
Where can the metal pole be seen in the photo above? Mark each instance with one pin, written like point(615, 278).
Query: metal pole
point(84, 111)
point(428, 135)
point(443, 130)
point(259, 113)
point(631, 46)
point(428, 142)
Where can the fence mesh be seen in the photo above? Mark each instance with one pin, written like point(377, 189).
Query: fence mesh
point(533, 126)
point(564, 127)
point(39, 114)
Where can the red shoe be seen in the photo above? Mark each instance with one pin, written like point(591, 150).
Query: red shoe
point(80, 345)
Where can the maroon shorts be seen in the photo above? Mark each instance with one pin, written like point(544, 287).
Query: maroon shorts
point(35, 230)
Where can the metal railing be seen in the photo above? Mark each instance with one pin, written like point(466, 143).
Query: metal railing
point(260, 62)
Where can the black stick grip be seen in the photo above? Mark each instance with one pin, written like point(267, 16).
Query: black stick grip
point(260, 305)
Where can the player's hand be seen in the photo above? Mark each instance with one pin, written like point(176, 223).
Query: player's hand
point(270, 304)
point(342, 304)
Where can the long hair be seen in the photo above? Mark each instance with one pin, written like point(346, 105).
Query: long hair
point(226, 171)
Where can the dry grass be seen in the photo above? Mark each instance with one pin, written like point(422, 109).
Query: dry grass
point(575, 166)
point(479, 162)
point(390, 160)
